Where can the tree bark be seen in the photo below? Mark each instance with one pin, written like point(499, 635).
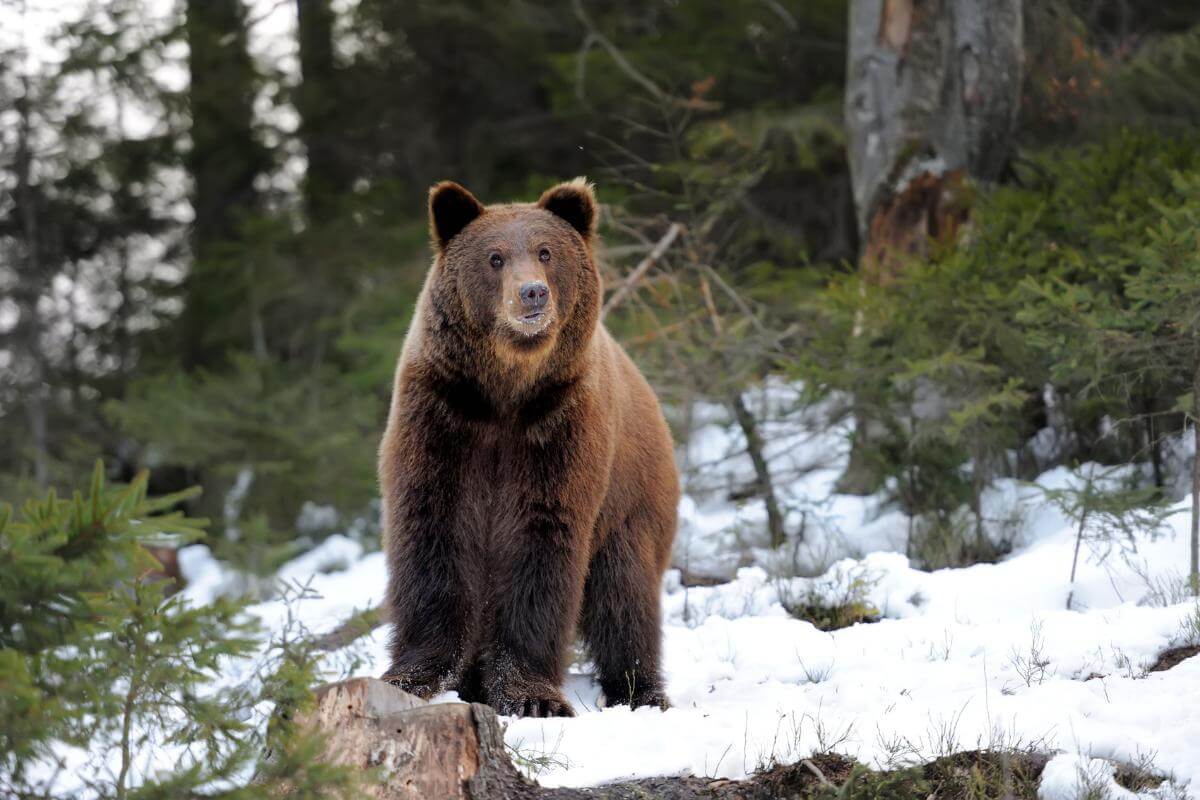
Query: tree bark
point(932, 94)
point(448, 750)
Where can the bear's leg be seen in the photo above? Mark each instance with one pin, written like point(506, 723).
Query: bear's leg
point(432, 608)
point(433, 580)
point(621, 622)
point(535, 617)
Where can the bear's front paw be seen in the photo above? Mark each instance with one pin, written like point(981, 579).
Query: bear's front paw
point(654, 698)
point(544, 703)
point(423, 686)
point(634, 695)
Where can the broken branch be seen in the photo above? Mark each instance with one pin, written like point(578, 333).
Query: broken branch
point(642, 268)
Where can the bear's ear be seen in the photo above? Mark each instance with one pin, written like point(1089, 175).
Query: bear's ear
point(451, 208)
point(575, 202)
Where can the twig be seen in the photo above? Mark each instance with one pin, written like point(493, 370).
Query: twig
point(706, 293)
point(595, 37)
point(642, 268)
point(783, 14)
point(815, 770)
point(617, 56)
point(736, 298)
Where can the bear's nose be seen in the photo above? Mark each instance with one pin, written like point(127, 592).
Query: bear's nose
point(534, 294)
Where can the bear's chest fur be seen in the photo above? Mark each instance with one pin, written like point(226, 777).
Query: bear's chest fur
point(506, 456)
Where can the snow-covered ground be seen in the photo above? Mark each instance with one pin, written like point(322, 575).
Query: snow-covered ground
point(986, 655)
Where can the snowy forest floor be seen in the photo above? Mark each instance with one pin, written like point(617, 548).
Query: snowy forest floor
point(985, 657)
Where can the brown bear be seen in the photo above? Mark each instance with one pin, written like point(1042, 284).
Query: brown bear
point(528, 476)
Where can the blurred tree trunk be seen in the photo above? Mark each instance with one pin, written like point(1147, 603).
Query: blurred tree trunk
point(30, 282)
point(224, 161)
point(932, 94)
point(328, 177)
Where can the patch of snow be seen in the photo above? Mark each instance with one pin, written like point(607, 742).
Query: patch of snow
point(1071, 776)
point(805, 454)
point(315, 518)
point(235, 498)
point(336, 554)
point(205, 578)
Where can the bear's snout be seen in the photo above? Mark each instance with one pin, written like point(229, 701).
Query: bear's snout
point(534, 295)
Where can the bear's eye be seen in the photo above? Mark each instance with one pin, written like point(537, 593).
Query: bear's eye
point(497, 260)
point(543, 255)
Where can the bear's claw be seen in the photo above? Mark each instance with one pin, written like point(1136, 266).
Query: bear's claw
point(653, 698)
point(535, 707)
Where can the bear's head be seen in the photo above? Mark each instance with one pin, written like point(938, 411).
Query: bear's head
point(521, 274)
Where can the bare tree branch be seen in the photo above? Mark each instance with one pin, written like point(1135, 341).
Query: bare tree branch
point(594, 36)
point(642, 268)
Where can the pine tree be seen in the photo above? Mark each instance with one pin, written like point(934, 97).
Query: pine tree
point(86, 225)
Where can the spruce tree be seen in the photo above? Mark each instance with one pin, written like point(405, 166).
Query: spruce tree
point(1163, 321)
point(1108, 509)
point(113, 689)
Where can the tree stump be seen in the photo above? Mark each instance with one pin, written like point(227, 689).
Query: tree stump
point(422, 750)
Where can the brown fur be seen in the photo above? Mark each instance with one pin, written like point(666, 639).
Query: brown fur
point(528, 477)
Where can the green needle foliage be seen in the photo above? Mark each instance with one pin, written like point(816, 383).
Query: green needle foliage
point(64, 565)
point(1164, 320)
point(1130, 343)
point(105, 677)
point(301, 437)
point(1109, 511)
point(1070, 304)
